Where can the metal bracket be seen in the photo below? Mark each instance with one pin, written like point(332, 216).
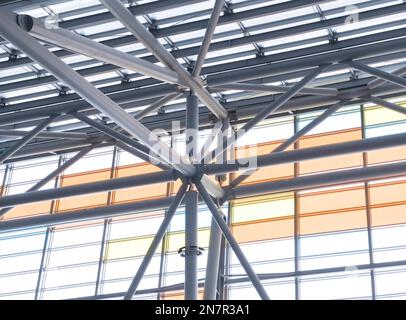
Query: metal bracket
point(63, 91)
point(199, 174)
point(190, 250)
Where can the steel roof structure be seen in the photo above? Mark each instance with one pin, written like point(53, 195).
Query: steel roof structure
point(80, 75)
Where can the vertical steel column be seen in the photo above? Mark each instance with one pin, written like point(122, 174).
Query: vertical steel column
point(191, 250)
point(48, 239)
point(155, 242)
point(296, 218)
point(368, 209)
point(191, 245)
point(233, 243)
point(213, 258)
point(106, 227)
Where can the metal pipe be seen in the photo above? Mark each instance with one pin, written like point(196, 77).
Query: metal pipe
point(155, 242)
point(273, 107)
point(306, 129)
point(232, 242)
point(213, 261)
point(53, 174)
point(211, 26)
point(77, 43)
point(379, 73)
point(148, 154)
point(378, 82)
point(216, 79)
point(313, 181)
point(86, 188)
point(156, 105)
point(192, 127)
point(156, 48)
point(320, 180)
point(236, 279)
point(170, 175)
point(310, 153)
point(390, 105)
point(330, 92)
point(95, 97)
point(46, 134)
point(26, 139)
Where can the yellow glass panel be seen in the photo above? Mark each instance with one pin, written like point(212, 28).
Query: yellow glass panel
point(331, 163)
point(177, 239)
point(130, 247)
point(264, 207)
point(378, 115)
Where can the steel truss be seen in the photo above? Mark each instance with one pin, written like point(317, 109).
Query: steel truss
point(133, 132)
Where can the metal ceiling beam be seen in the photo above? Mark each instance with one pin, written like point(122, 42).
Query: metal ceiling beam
point(330, 92)
point(282, 147)
point(264, 113)
point(46, 134)
point(280, 64)
point(96, 98)
point(156, 48)
point(390, 105)
point(77, 43)
point(378, 82)
point(379, 73)
point(243, 109)
point(211, 26)
point(26, 139)
point(156, 105)
point(193, 50)
point(104, 17)
point(147, 153)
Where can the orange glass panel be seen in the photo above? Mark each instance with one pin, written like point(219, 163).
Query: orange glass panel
point(86, 201)
point(331, 163)
point(387, 193)
point(283, 171)
point(387, 155)
point(388, 215)
point(179, 295)
point(346, 220)
point(332, 200)
point(31, 209)
point(332, 210)
point(263, 229)
point(388, 203)
point(142, 192)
